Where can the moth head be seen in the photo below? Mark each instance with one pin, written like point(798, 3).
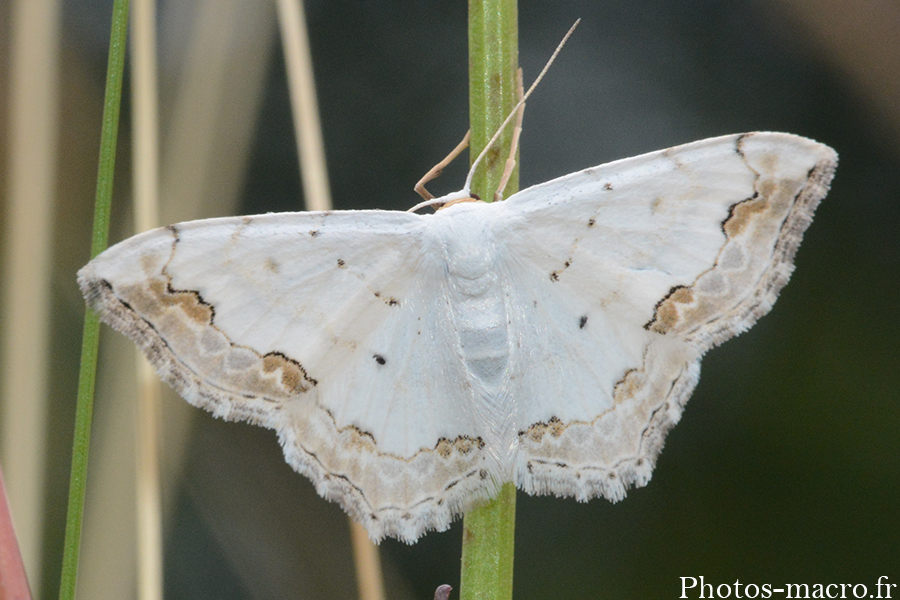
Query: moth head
point(472, 198)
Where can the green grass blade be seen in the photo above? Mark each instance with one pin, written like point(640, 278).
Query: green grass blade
point(90, 339)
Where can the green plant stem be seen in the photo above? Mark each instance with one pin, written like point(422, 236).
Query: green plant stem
point(493, 63)
point(90, 340)
point(488, 548)
point(489, 531)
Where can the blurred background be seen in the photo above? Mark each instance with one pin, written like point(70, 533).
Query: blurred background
point(784, 468)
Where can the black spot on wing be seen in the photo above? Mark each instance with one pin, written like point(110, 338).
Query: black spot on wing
point(582, 321)
point(390, 301)
point(379, 359)
point(554, 276)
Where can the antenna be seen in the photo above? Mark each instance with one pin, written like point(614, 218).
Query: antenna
point(468, 186)
point(466, 191)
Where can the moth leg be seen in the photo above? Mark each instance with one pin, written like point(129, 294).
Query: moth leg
point(517, 132)
point(438, 168)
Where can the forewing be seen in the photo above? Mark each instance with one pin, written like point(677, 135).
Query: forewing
point(627, 273)
point(330, 328)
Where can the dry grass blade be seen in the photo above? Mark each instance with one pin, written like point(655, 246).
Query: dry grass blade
point(145, 170)
point(27, 264)
point(311, 152)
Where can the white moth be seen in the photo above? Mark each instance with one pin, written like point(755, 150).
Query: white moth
point(411, 364)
